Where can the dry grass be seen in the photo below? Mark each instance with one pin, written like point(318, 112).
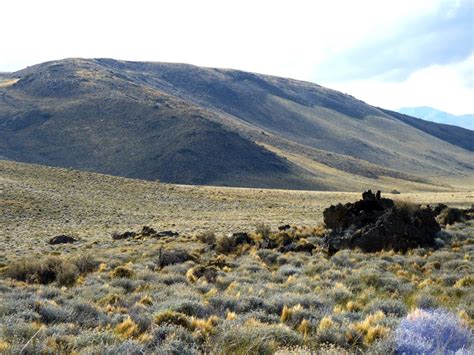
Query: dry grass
point(120, 299)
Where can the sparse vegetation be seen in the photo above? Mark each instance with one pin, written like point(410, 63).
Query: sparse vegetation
point(183, 294)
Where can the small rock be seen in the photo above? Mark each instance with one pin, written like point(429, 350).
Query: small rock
point(125, 235)
point(166, 234)
point(62, 239)
point(284, 227)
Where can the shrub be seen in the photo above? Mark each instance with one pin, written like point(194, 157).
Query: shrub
point(171, 257)
point(122, 272)
point(171, 317)
point(268, 256)
point(389, 307)
point(51, 314)
point(256, 339)
point(129, 347)
point(431, 332)
point(225, 245)
point(263, 230)
point(86, 264)
point(44, 271)
point(87, 316)
point(208, 237)
point(166, 332)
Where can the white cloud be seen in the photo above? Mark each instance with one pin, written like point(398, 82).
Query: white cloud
point(441, 87)
point(285, 38)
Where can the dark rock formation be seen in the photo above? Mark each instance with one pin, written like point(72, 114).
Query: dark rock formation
point(124, 235)
point(145, 232)
point(62, 239)
point(284, 227)
point(375, 223)
point(165, 234)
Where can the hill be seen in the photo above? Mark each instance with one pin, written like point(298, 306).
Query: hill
point(185, 124)
point(434, 115)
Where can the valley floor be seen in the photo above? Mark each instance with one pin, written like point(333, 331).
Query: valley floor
point(38, 202)
point(179, 295)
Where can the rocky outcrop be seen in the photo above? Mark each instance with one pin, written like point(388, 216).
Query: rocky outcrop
point(146, 232)
point(375, 223)
point(62, 239)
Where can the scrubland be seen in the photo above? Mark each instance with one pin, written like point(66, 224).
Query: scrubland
point(201, 291)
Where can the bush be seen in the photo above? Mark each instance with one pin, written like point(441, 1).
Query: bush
point(225, 245)
point(208, 237)
point(44, 271)
point(263, 230)
point(86, 264)
point(171, 257)
point(129, 347)
point(171, 337)
point(256, 339)
point(87, 316)
point(122, 272)
point(171, 317)
point(389, 307)
point(432, 332)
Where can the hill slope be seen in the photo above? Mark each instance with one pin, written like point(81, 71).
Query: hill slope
point(186, 124)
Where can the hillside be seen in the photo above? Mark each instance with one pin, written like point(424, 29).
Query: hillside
point(185, 124)
point(434, 115)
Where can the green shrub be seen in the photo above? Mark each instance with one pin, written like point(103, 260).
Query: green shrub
point(208, 237)
point(225, 245)
point(44, 271)
point(86, 264)
point(122, 272)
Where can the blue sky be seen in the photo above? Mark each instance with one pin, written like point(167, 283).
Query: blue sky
point(388, 53)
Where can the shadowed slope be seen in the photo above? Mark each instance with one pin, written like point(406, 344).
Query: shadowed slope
point(186, 124)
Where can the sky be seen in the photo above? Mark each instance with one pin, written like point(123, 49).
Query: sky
point(388, 53)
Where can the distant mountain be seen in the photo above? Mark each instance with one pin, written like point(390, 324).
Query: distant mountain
point(192, 125)
point(434, 115)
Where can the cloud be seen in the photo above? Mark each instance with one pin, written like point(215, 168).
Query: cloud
point(440, 86)
point(439, 37)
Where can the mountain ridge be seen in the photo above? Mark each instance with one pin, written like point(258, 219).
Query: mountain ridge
point(186, 124)
point(434, 115)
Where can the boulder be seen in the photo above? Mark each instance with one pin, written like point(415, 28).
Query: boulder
point(62, 239)
point(375, 223)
